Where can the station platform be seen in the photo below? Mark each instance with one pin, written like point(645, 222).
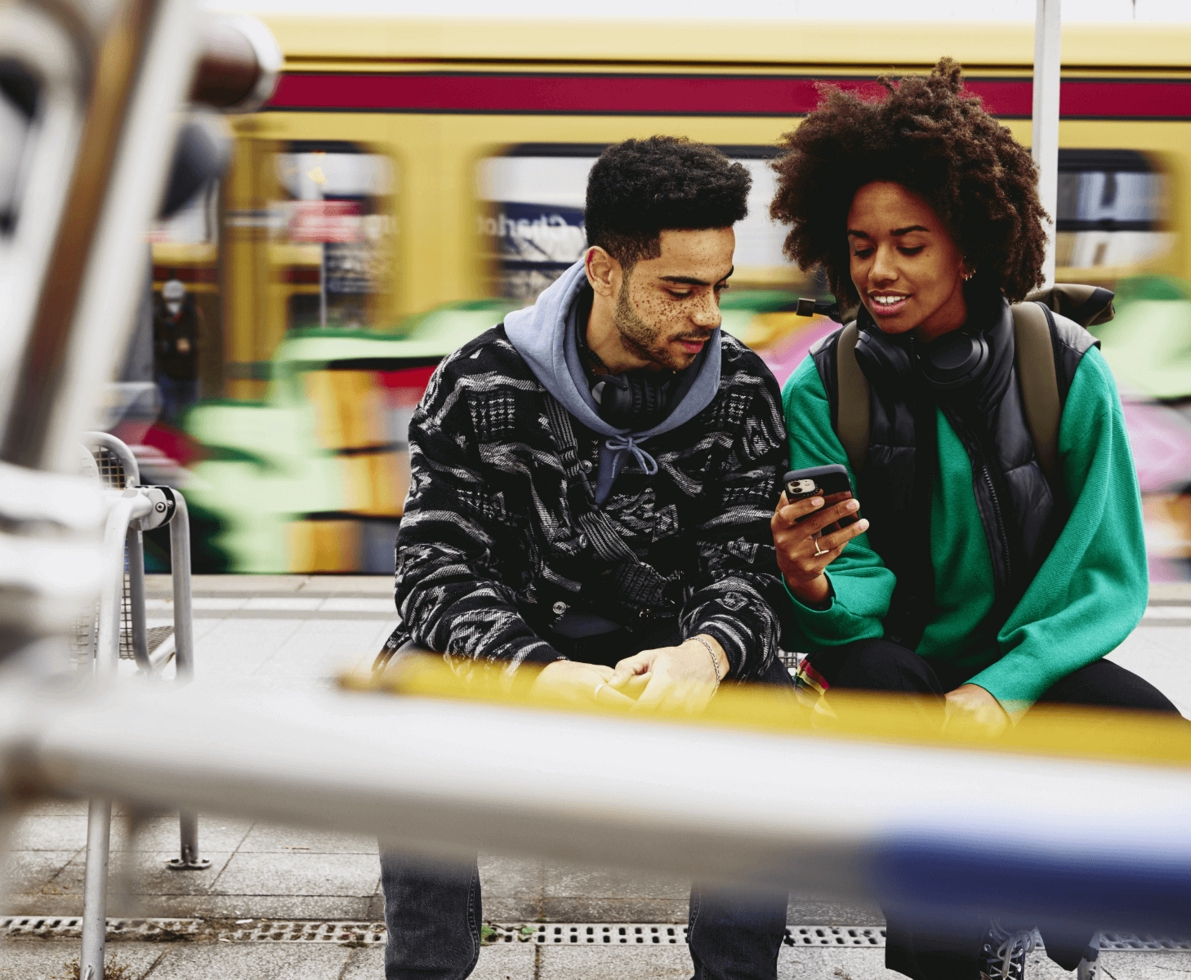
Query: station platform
point(280, 902)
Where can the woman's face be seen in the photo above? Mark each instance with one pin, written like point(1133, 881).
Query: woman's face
point(906, 268)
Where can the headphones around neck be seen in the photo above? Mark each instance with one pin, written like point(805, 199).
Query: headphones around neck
point(636, 399)
point(948, 363)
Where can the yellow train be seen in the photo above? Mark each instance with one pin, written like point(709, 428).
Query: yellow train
point(408, 169)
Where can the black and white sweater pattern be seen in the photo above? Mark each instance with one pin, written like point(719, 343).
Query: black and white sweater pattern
point(500, 538)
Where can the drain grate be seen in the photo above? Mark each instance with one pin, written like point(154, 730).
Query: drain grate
point(835, 936)
point(1123, 941)
point(223, 930)
point(538, 933)
point(660, 934)
point(589, 933)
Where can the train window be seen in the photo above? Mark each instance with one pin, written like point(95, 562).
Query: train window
point(335, 227)
point(1112, 208)
point(531, 223)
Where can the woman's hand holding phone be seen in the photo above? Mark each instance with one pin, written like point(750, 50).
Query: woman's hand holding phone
point(811, 532)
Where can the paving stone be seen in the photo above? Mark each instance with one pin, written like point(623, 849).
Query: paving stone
point(38, 903)
point(147, 873)
point(802, 962)
point(507, 876)
point(253, 961)
point(318, 655)
point(55, 808)
point(241, 585)
point(49, 832)
point(360, 604)
point(274, 837)
point(497, 962)
point(40, 872)
point(808, 910)
point(1144, 966)
point(363, 585)
point(300, 873)
point(40, 959)
point(566, 880)
point(372, 631)
point(215, 835)
point(600, 908)
point(511, 908)
point(1159, 654)
point(615, 963)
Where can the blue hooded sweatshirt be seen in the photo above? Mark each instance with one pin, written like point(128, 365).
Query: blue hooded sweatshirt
point(545, 336)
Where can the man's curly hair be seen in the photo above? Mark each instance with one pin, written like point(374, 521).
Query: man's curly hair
point(639, 188)
point(931, 137)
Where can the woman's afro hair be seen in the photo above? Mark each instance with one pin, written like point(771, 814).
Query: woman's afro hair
point(931, 137)
point(639, 188)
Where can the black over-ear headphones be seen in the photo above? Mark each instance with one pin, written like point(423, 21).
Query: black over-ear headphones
point(955, 360)
point(635, 399)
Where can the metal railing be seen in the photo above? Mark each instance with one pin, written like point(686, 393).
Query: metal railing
point(930, 825)
point(121, 624)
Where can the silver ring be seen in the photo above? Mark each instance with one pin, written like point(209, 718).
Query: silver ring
point(819, 551)
point(596, 694)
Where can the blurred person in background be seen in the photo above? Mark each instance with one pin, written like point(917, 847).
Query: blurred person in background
point(589, 508)
point(977, 583)
point(175, 349)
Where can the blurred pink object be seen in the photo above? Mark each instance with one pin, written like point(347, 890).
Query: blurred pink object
point(785, 355)
point(1161, 441)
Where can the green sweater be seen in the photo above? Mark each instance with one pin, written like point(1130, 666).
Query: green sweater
point(1088, 595)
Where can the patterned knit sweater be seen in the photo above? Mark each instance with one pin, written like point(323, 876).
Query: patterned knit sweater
point(500, 537)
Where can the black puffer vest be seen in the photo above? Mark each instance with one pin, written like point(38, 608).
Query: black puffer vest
point(1018, 509)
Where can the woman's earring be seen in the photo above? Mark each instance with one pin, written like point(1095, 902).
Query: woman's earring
point(967, 275)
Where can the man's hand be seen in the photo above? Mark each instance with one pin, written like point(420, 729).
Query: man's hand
point(807, 542)
point(970, 708)
point(681, 677)
point(576, 683)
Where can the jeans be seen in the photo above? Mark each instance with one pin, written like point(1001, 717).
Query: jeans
point(433, 913)
point(916, 948)
point(433, 909)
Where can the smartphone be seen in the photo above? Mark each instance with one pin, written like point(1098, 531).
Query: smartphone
point(829, 482)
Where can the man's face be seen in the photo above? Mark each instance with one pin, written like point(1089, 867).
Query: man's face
point(668, 307)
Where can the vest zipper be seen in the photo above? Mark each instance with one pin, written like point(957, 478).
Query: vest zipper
point(996, 505)
point(986, 475)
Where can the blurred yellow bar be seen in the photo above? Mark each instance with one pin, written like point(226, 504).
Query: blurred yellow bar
point(1068, 732)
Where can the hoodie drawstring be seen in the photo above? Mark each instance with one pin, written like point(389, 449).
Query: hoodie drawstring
point(618, 444)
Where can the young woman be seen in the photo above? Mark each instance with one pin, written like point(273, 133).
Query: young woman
point(972, 577)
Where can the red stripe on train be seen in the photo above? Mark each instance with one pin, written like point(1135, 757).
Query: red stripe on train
point(683, 95)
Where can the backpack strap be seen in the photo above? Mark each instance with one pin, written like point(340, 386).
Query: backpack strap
point(1033, 328)
point(852, 419)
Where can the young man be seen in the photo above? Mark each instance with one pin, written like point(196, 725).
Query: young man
point(591, 489)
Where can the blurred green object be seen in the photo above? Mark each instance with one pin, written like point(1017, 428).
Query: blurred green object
point(1148, 343)
point(263, 467)
point(265, 470)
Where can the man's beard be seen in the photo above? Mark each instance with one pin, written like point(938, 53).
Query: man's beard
point(643, 339)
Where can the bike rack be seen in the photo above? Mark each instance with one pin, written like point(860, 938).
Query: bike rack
point(121, 624)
